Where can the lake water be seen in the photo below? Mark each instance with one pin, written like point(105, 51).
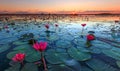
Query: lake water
point(66, 49)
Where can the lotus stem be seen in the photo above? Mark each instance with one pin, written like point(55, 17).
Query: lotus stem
point(22, 63)
point(44, 63)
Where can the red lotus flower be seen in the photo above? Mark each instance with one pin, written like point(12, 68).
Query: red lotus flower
point(56, 25)
point(83, 25)
point(47, 26)
point(90, 37)
point(40, 46)
point(6, 27)
point(19, 57)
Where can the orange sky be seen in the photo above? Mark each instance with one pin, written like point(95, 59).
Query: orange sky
point(58, 5)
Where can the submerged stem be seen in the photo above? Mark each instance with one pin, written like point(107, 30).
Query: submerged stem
point(44, 63)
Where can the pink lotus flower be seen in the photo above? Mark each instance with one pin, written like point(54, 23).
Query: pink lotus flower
point(90, 37)
point(47, 26)
point(56, 25)
point(19, 57)
point(83, 25)
point(40, 46)
point(6, 27)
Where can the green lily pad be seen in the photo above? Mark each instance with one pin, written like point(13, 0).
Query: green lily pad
point(15, 67)
point(101, 45)
point(19, 42)
point(74, 64)
point(79, 55)
point(118, 63)
point(10, 55)
point(98, 65)
point(29, 67)
point(33, 56)
point(63, 44)
point(53, 38)
point(4, 48)
point(54, 57)
point(114, 53)
point(94, 50)
point(85, 69)
point(79, 42)
point(23, 47)
point(61, 67)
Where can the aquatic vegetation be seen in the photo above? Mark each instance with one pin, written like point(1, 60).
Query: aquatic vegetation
point(40, 46)
point(19, 57)
point(4, 48)
point(56, 25)
point(61, 50)
point(83, 25)
point(47, 26)
point(79, 55)
point(90, 37)
point(98, 65)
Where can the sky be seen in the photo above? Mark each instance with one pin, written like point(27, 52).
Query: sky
point(58, 6)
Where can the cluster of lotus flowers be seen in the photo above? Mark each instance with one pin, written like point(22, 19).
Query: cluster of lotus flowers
point(41, 47)
point(47, 26)
point(38, 46)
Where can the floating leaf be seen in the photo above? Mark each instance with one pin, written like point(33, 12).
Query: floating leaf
point(53, 38)
point(63, 44)
point(98, 65)
point(4, 48)
point(74, 64)
point(54, 57)
point(12, 54)
point(118, 63)
point(33, 56)
point(114, 53)
point(19, 42)
point(94, 50)
point(15, 67)
point(61, 67)
point(29, 67)
point(78, 55)
point(84, 68)
point(79, 42)
point(101, 45)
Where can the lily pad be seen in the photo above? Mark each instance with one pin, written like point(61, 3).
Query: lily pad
point(29, 67)
point(23, 47)
point(19, 42)
point(63, 44)
point(94, 50)
point(12, 54)
point(101, 45)
point(4, 48)
point(84, 68)
point(61, 67)
point(33, 56)
point(118, 63)
point(98, 65)
point(74, 64)
point(15, 67)
point(79, 42)
point(78, 55)
point(112, 53)
point(53, 38)
point(54, 57)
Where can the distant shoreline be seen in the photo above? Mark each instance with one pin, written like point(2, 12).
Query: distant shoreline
point(63, 14)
